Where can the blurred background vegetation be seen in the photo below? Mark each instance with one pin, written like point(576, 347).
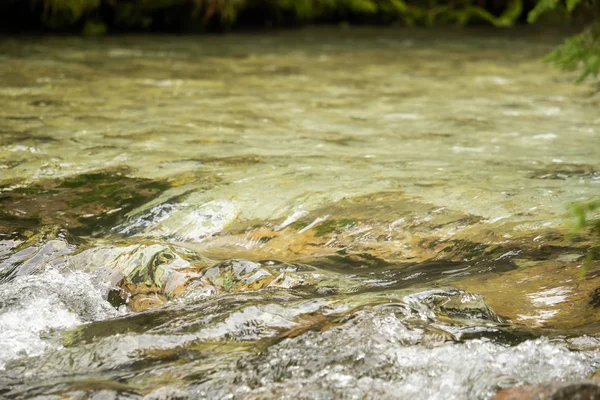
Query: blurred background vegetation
point(193, 15)
point(97, 17)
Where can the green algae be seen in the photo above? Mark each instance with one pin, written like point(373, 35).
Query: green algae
point(465, 249)
point(298, 225)
point(334, 226)
point(361, 260)
point(86, 204)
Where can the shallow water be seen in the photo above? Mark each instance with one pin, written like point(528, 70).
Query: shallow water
point(330, 213)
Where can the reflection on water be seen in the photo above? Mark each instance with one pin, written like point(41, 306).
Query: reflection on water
point(335, 213)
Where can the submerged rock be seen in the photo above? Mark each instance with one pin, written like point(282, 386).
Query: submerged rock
point(543, 292)
point(165, 275)
point(455, 304)
point(378, 355)
point(585, 390)
point(382, 229)
point(144, 276)
point(562, 171)
point(188, 220)
point(36, 253)
point(89, 203)
point(386, 227)
point(141, 275)
point(240, 275)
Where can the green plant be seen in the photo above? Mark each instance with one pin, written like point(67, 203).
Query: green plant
point(63, 14)
point(60, 13)
point(581, 51)
point(586, 218)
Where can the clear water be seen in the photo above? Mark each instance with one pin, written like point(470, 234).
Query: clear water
point(320, 213)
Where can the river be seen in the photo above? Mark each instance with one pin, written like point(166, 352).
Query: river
point(319, 213)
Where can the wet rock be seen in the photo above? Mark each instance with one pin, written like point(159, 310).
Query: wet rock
point(141, 300)
point(243, 275)
point(585, 390)
point(382, 229)
point(384, 226)
point(36, 253)
point(583, 343)
point(595, 298)
point(186, 219)
point(238, 275)
point(143, 276)
point(152, 272)
point(455, 303)
point(540, 294)
point(166, 275)
point(565, 171)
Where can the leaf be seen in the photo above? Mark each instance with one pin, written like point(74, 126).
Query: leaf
point(571, 4)
point(363, 6)
point(578, 52)
point(508, 17)
point(94, 28)
point(541, 7)
point(400, 6)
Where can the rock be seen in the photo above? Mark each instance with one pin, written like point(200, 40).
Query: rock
point(192, 220)
point(146, 276)
point(40, 251)
point(242, 275)
point(454, 303)
point(584, 390)
point(86, 204)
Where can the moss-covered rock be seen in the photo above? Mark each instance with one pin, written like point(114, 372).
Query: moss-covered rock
point(86, 204)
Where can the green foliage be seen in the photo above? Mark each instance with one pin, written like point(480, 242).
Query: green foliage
point(541, 7)
point(63, 14)
point(571, 4)
point(60, 13)
point(94, 28)
point(587, 220)
point(507, 18)
point(579, 52)
point(584, 216)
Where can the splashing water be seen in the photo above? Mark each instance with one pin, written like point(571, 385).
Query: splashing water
point(35, 306)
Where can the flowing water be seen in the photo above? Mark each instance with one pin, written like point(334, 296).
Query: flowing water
point(310, 214)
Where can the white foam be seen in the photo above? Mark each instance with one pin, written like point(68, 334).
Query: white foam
point(33, 306)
